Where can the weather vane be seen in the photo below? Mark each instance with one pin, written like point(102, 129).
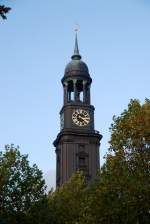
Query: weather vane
point(77, 27)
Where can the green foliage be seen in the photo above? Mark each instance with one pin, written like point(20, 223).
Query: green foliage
point(131, 131)
point(21, 185)
point(40, 213)
point(130, 158)
point(67, 201)
point(121, 192)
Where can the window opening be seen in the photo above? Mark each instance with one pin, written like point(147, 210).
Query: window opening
point(81, 96)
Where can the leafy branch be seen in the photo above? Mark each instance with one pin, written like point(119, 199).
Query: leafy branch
point(3, 11)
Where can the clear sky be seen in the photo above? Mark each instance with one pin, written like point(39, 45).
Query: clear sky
point(36, 43)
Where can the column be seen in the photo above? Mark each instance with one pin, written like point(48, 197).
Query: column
point(75, 89)
point(88, 94)
point(84, 91)
point(65, 92)
point(69, 96)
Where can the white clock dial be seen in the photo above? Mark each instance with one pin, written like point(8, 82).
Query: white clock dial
point(81, 117)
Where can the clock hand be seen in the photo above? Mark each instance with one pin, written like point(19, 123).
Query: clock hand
point(85, 118)
point(80, 117)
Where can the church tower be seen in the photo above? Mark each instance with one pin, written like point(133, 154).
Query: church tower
point(77, 144)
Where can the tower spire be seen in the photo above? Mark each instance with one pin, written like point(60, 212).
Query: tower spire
point(76, 55)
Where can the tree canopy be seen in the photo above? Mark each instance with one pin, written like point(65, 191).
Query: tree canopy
point(67, 201)
point(121, 192)
point(21, 185)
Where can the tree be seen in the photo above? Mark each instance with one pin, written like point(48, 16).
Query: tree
point(21, 186)
point(130, 138)
point(67, 201)
point(121, 192)
point(3, 11)
point(40, 213)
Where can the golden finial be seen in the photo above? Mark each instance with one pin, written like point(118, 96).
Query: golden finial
point(77, 28)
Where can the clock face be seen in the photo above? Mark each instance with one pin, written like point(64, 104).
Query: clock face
point(81, 117)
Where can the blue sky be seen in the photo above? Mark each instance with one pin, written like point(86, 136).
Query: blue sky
point(36, 43)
